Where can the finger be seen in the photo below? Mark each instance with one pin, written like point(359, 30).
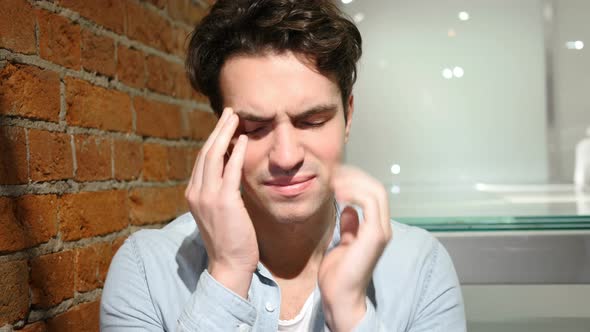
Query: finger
point(213, 159)
point(352, 186)
point(357, 185)
point(384, 205)
point(371, 235)
point(197, 174)
point(349, 225)
point(361, 197)
point(233, 169)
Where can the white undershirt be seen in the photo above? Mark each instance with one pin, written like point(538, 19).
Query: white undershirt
point(301, 322)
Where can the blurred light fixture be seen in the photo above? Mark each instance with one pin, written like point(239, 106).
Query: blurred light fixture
point(458, 72)
point(574, 45)
point(548, 12)
point(463, 16)
point(447, 73)
point(395, 169)
point(347, 1)
point(358, 17)
point(395, 190)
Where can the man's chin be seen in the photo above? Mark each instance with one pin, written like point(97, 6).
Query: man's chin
point(289, 212)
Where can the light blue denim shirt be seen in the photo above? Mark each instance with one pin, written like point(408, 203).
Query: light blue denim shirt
point(158, 281)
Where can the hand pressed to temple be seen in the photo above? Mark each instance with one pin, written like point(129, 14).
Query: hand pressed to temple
point(214, 198)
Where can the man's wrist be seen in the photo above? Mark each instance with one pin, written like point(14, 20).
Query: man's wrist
point(235, 280)
point(344, 315)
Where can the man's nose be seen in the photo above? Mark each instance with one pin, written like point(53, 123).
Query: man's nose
point(286, 154)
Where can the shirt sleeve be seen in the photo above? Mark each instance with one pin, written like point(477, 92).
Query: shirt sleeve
point(213, 307)
point(126, 304)
point(440, 307)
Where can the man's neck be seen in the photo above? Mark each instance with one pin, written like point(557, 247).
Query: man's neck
point(294, 250)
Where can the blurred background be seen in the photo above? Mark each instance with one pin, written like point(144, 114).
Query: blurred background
point(468, 96)
point(470, 112)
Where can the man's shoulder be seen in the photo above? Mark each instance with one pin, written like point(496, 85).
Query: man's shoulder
point(181, 234)
point(409, 247)
point(411, 236)
point(177, 230)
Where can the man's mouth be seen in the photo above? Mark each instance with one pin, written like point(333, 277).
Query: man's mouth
point(290, 186)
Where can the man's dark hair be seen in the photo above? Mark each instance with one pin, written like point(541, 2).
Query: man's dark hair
point(316, 29)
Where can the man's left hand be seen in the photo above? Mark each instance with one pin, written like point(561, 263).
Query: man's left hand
point(345, 272)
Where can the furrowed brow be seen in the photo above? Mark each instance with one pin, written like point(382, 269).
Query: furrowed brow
point(320, 109)
point(247, 116)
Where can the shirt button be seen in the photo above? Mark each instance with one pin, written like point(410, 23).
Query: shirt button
point(243, 328)
point(269, 307)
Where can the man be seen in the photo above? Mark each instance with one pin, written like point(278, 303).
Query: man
point(272, 241)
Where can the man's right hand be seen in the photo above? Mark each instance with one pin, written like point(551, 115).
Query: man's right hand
point(215, 201)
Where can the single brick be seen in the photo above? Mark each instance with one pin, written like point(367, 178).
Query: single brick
point(92, 264)
point(98, 53)
point(50, 155)
point(131, 66)
point(156, 205)
point(30, 92)
point(13, 149)
point(39, 214)
point(80, 318)
point(128, 159)
point(14, 291)
point(201, 124)
point(178, 166)
point(162, 75)
point(27, 221)
point(155, 162)
point(186, 10)
point(59, 39)
point(17, 26)
point(157, 119)
point(148, 27)
point(89, 214)
point(108, 13)
point(52, 278)
point(97, 107)
point(93, 157)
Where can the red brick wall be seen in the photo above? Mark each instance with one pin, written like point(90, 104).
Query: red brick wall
point(98, 132)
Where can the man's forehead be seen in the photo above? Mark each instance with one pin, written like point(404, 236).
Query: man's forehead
point(276, 85)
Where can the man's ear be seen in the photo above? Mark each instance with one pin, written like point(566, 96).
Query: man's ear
point(349, 117)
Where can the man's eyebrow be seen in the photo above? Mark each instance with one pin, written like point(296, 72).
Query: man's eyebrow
point(319, 109)
point(247, 116)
